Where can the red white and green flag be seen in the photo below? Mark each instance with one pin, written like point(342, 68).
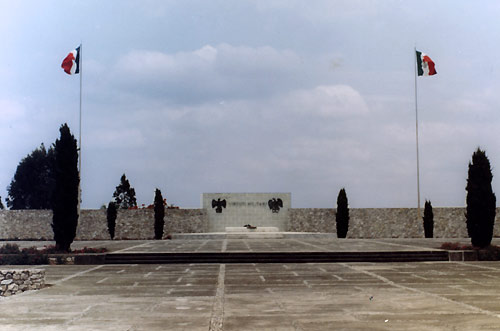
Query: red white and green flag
point(425, 66)
point(71, 63)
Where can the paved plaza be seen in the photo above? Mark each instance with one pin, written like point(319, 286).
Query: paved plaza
point(308, 296)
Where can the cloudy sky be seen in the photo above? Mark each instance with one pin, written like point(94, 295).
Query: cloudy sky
point(292, 96)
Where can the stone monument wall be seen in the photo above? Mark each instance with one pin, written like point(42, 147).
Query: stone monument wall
point(239, 209)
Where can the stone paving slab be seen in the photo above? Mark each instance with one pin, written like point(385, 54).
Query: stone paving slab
point(325, 296)
point(340, 296)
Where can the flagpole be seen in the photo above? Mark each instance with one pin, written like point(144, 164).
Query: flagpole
point(416, 133)
point(80, 134)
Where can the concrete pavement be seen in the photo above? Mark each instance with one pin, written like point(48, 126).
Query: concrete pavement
point(323, 296)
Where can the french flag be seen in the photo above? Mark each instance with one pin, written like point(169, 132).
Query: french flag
point(71, 63)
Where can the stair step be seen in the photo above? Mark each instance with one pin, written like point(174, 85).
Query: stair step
point(274, 257)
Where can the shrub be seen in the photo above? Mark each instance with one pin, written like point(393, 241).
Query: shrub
point(481, 201)
point(428, 220)
point(51, 249)
point(159, 209)
point(490, 253)
point(12, 255)
point(455, 246)
point(342, 215)
point(10, 249)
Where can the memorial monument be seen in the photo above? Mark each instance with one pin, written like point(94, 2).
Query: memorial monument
point(229, 210)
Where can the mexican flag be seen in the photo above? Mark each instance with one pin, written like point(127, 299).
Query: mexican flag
point(71, 63)
point(425, 65)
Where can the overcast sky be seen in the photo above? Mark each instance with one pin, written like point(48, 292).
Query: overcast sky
point(305, 97)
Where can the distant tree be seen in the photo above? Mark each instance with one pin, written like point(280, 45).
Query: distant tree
point(428, 220)
point(159, 208)
point(1, 204)
point(33, 182)
point(124, 195)
point(111, 214)
point(342, 215)
point(481, 201)
point(67, 179)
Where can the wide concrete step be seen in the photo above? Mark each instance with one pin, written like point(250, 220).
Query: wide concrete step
point(274, 257)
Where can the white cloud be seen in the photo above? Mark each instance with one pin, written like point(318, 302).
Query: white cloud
point(328, 101)
point(210, 72)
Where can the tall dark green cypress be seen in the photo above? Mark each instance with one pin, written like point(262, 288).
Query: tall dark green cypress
point(428, 220)
point(159, 209)
point(481, 201)
point(342, 215)
point(65, 197)
point(111, 214)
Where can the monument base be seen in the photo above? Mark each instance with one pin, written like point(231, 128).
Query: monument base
point(231, 229)
point(260, 232)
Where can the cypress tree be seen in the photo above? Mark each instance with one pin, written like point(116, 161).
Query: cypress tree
point(342, 215)
point(65, 197)
point(481, 201)
point(159, 209)
point(111, 214)
point(428, 220)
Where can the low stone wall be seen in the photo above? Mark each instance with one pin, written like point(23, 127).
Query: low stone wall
point(139, 223)
point(320, 220)
point(384, 222)
point(26, 224)
point(20, 280)
point(93, 225)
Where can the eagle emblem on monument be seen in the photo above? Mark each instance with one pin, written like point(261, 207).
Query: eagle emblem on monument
point(218, 204)
point(275, 204)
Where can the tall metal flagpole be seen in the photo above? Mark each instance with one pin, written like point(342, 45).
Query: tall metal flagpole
point(416, 132)
point(80, 135)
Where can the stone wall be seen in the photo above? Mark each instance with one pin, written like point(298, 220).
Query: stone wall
point(130, 224)
point(19, 280)
point(26, 224)
point(384, 222)
point(139, 224)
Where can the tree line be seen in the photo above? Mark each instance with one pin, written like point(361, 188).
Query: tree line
point(49, 179)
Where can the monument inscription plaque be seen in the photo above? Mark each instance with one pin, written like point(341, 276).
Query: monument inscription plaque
point(256, 209)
